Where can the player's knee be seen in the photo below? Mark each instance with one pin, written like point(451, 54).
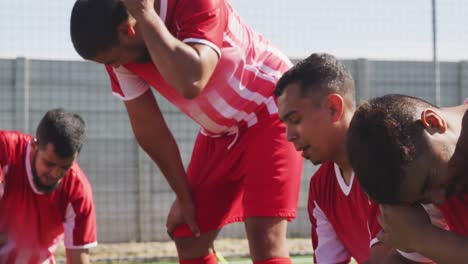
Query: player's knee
point(196, 247)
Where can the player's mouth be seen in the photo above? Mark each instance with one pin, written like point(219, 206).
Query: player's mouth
point(304, 151)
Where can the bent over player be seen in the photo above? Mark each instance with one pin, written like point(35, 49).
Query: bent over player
point(201, 57)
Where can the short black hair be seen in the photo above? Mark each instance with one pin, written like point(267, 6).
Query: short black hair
point(384, 136)
point(64, 130)
point(93, 25)
point(319, 72)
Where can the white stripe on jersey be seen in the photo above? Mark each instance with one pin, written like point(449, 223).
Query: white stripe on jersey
point(245, 93)
point(330, 249)
point(271, 105)
point(257, 64)
point(201, 118)
point(204, 42)
point(163, 10)
point(228, 111)
point(69, 226)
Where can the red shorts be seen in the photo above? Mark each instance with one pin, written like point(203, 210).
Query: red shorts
point(259, 175)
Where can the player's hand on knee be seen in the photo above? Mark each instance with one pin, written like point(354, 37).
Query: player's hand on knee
point(182, 212)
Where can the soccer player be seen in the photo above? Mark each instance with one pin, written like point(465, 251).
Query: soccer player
point(406, 151)
point(316, 102)
point(200, 56)
point(44, 195)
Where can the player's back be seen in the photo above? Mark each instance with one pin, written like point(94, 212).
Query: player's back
point(341, 215)
point(243, 80)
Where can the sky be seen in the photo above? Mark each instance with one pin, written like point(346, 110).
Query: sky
point(373, 29)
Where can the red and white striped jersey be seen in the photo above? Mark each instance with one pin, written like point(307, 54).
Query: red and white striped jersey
point(343, 218)
point(34, 222)
point(242, 82)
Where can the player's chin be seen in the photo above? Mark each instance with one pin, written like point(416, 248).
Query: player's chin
point(315, 161)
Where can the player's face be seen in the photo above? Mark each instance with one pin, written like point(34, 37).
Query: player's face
point(124, 53)
point(308, 124)
point(429, 178)
point(48, 168)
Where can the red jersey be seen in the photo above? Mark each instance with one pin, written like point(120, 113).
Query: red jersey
point(242, 82)
point(455, 211)
point(36, 222)
point(342, 217)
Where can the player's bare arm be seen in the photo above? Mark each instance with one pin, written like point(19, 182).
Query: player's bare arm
point(77, 256)
point(154, 137)
point(409, 228)
point(395, 258)
point(186, 67)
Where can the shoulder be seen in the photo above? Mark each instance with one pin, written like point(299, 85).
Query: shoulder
point(322, 183)
point(323, 176)
point(76, 184)
point(14, 137)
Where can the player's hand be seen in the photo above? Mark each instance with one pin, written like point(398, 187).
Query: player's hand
point(140, 8)
point(3, 239)
point(182, 212)
point(403, 226)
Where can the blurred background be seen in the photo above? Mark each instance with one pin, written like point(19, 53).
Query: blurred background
point(417, 47)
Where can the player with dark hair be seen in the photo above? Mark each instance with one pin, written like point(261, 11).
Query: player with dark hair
point(44, 195)
point(406, 151)
point(200, 56)
point(316, 101)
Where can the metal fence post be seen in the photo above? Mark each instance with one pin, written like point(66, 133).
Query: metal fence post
point(21, 94)
point(362, 80)
point(463, 88)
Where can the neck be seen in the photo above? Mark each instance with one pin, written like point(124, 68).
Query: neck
point(341, 157)
point(343, 162)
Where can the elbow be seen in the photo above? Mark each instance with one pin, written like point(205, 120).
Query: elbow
point(192, 90)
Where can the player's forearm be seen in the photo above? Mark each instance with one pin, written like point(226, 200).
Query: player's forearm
point(180, 64)
point(443, 246)
point(163, 150)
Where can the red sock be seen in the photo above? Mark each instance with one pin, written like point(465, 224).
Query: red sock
point(208, 259)
point(278, 260)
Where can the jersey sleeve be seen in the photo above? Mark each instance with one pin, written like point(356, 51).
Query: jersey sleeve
point(203, 22)
point(373, 223)
point(80, 219)
point(125, 84)
point(327, 246)
point(5, 159)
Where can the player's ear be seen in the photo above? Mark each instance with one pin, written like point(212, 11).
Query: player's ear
point(34, 144)
point(433, 122)
point(335, 106)
point(126, 30)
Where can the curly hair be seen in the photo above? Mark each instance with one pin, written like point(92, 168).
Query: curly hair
point(384, 136)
